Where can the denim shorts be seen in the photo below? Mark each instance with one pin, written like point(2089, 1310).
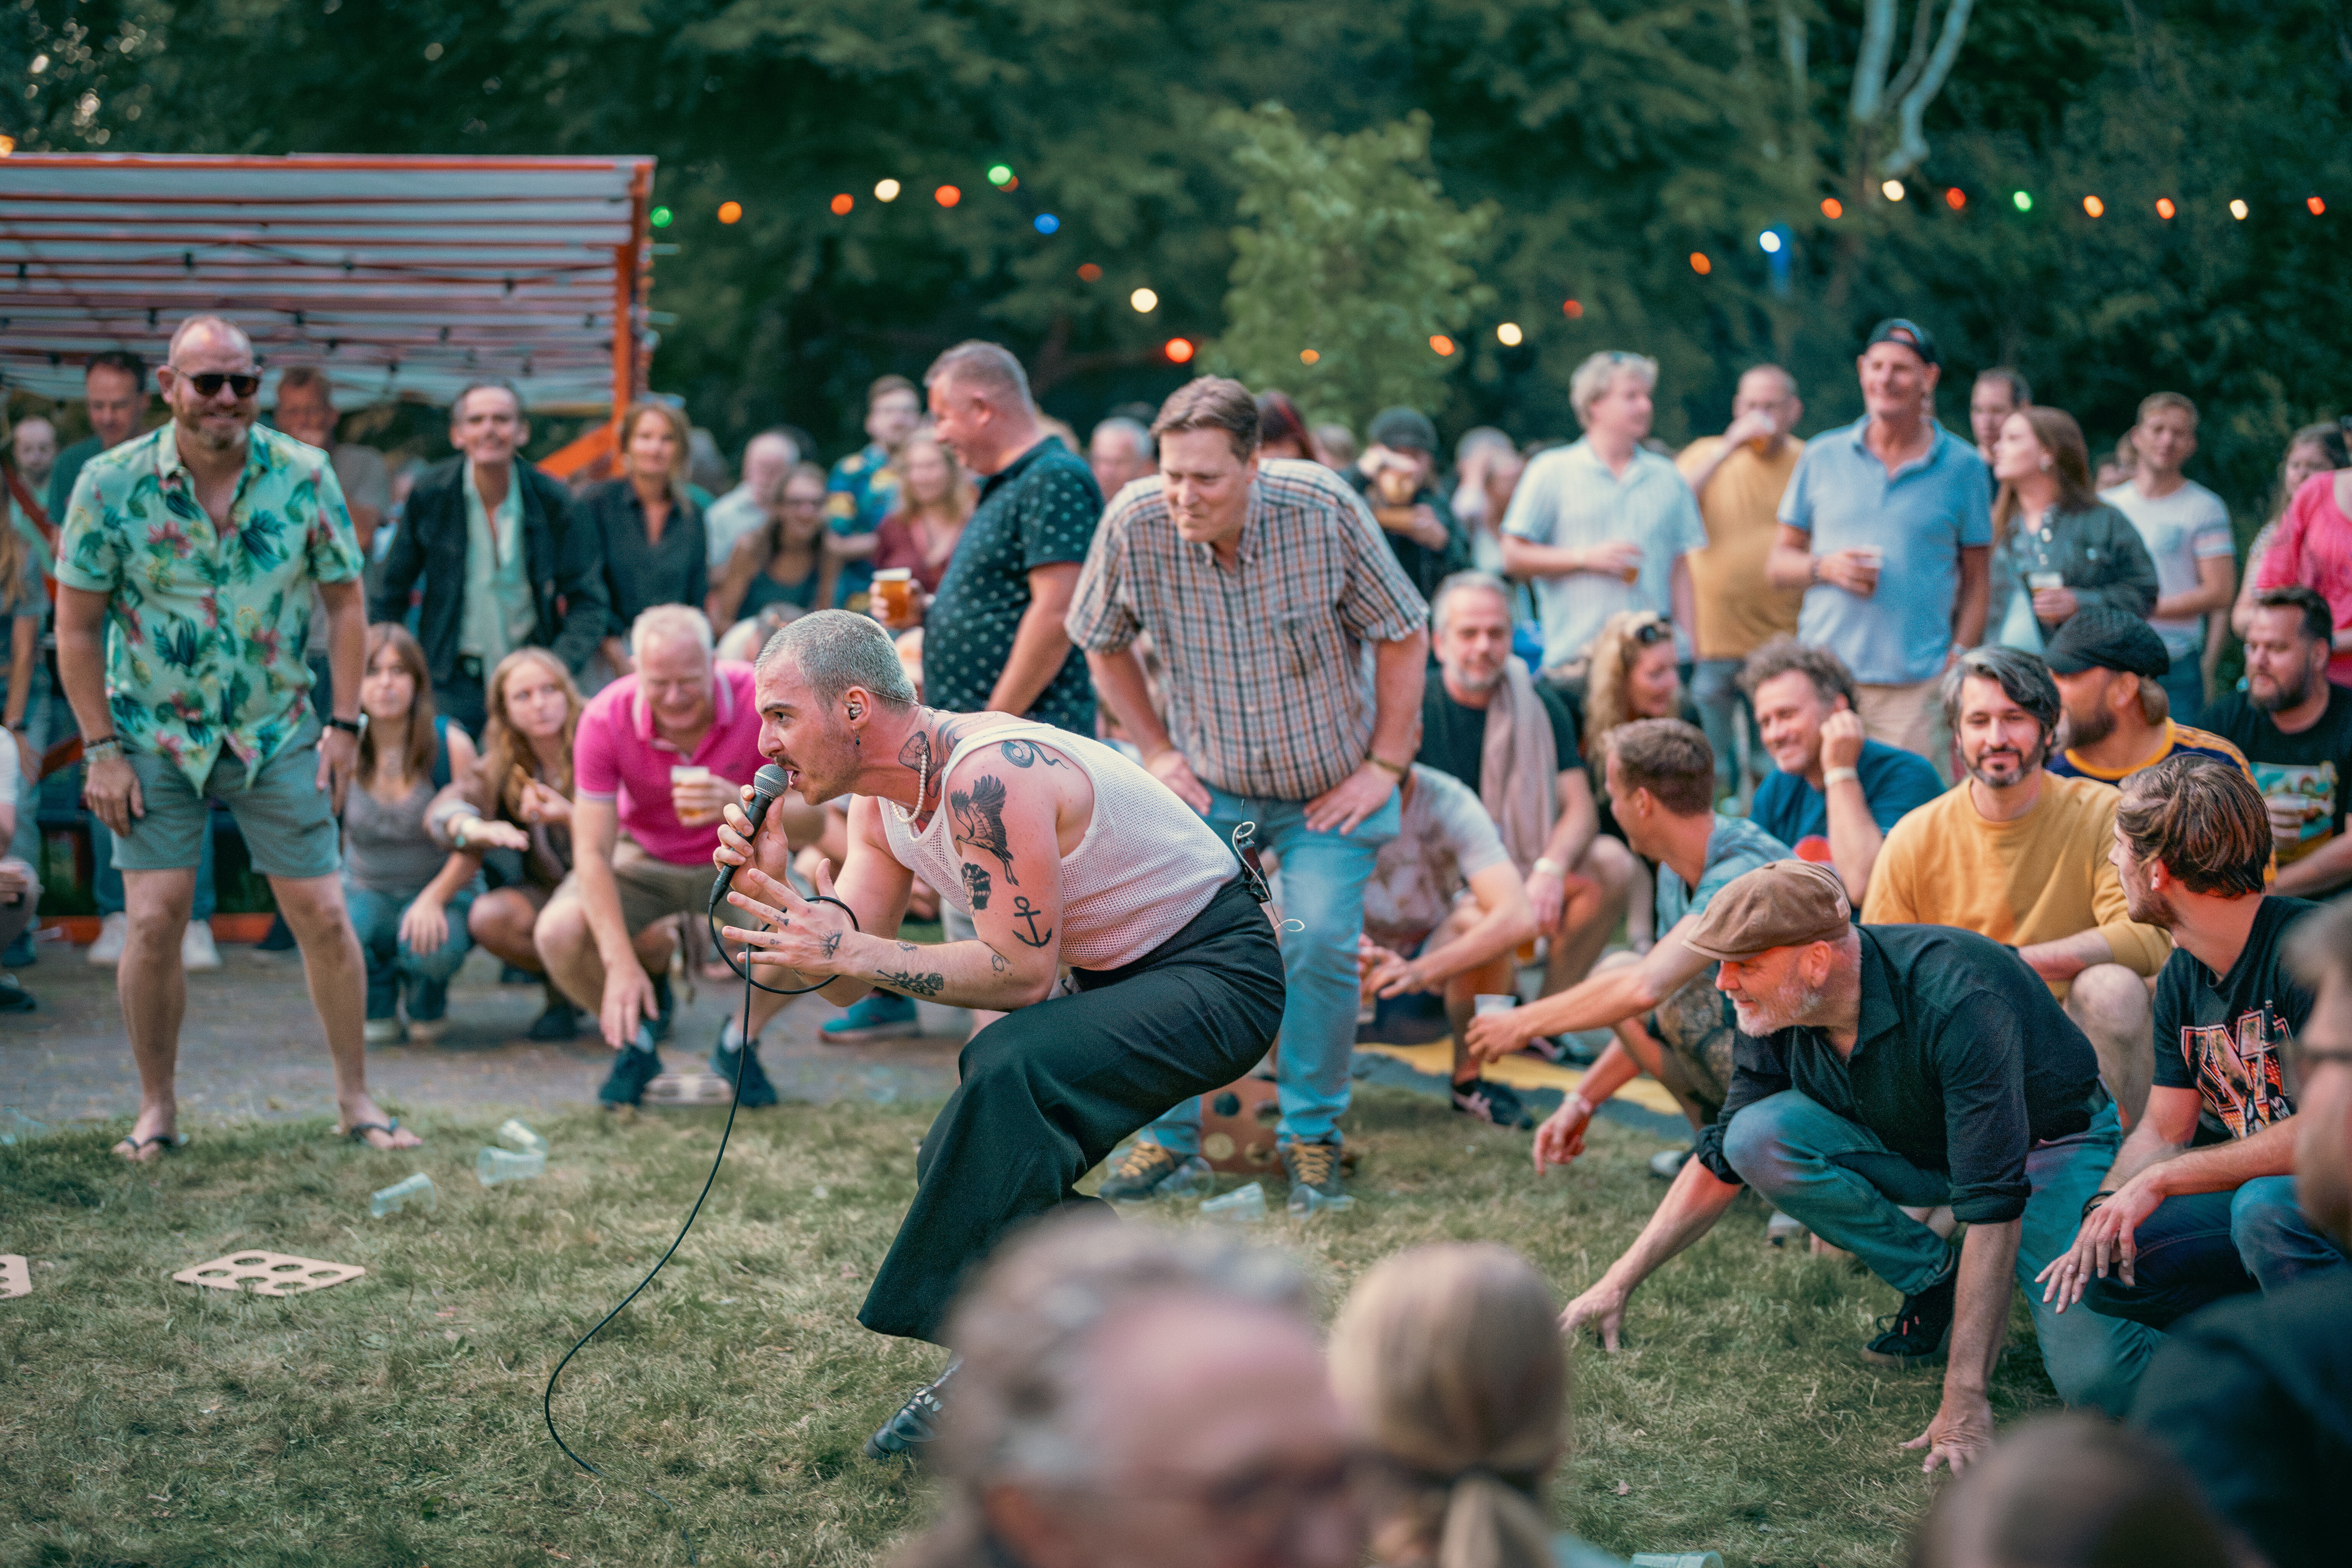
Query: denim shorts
point(287, 821)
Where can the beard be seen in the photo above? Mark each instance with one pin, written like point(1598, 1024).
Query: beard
point(2090, 729)
point(1988, 765)
point(2282, 695)
point(2147, 906)
point(214, 436)
point(1759, 1016)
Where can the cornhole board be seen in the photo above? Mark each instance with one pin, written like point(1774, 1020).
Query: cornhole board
point(1237, 1127)
point(269, 1273)
point(15, 1276)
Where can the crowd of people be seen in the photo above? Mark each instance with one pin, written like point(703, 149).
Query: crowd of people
point(1963, 916)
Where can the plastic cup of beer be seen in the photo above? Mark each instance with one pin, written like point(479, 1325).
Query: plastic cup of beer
point(1874, 558)
point(690, 816)
point(2045, 582)
point(1485, 1004)
point(893, 596)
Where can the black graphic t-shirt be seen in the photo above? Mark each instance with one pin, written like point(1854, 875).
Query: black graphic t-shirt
point(2221, 1035)
point(2309, 770)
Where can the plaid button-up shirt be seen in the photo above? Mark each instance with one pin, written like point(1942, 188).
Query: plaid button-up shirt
point(1269, 690)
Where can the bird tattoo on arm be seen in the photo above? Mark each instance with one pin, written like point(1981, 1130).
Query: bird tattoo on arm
point(978, 817)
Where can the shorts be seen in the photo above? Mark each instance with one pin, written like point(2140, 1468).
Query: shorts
point(650, 889)
point(1696, 1027)
point(287, 820)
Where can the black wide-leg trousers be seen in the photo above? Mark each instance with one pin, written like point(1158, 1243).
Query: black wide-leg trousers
point(1049, 1090)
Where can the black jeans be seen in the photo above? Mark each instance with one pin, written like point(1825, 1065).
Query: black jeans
point(460, 699)
point(1049, 1091)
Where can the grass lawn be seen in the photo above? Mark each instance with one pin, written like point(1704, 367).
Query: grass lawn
point(396, 1419)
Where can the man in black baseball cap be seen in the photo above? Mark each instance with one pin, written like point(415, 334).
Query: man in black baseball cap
point(2110, 666)
point(1909, 333)
point(1397, 477)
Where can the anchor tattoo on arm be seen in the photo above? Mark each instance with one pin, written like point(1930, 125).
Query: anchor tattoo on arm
point(980, 821)
point(1021, 910)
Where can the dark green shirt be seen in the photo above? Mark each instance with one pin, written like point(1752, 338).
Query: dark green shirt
point(1961, 1063)
point(1041, 509)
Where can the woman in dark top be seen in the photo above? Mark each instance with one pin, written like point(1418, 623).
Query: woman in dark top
point(782, 563)
point(651, 532)
point(2056, 546)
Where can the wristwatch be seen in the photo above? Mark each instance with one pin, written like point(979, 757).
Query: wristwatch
point(351, 727)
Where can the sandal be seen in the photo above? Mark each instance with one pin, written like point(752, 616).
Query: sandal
point(358, 1134)
point(166, 1142)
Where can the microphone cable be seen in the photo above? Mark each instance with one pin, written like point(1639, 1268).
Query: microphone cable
point(735, 1101)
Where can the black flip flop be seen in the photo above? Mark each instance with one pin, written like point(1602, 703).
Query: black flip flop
point(359, 1135)
point(170, 1143)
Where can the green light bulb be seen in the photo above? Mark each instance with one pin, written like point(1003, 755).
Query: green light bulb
point(999, 173)
point(659, 218)
point(2024, 201)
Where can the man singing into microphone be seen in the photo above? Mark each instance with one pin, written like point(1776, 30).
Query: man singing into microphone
point(1062, 852)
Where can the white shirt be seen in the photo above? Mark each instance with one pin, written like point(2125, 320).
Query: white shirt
point(2189, 526)
point(1568, 498)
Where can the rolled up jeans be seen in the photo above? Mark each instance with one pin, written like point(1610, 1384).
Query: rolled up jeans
point(1323, 877)
point(2201, 1246)
point(391, 961)
point(1722, 712)
point(18, 914)
point(1841, 1180)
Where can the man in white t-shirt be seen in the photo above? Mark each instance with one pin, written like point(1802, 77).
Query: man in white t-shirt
point(2187, 530)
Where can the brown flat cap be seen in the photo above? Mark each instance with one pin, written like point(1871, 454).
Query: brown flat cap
point(1785, 904)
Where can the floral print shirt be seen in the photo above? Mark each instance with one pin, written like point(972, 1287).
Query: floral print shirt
point(207, 626)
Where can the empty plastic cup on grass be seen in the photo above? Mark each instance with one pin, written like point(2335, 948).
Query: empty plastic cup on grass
point(1243, 1206)
point(416, 1190)
point(1306, 1202)
point(492, 1166)
point(1678, 1560)
point(515, 1132)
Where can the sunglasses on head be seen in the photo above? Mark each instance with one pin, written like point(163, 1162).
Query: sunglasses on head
point(209, 383)
point(1651, 632)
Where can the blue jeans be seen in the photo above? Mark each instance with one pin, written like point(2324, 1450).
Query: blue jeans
point(390, 961)
point(1723, 712)
point(1843, 1183)
point(1323, 877)
point(2184, 686)
point(2195, 1250)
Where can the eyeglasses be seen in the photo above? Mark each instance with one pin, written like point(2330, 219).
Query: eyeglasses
point(2296, 1057)
point(209, 383)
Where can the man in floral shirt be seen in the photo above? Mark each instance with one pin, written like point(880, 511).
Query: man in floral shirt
point(185, 584)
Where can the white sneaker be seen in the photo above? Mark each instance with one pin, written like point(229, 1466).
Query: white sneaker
point(113, 932)
point(382, 1031)
point(196, 948)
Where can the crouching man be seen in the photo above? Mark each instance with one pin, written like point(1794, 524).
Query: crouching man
point(1878, 1067)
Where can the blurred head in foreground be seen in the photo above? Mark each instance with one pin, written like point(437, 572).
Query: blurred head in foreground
point(2072, 1491)
point(1449, 1364)
point(1140, 1398)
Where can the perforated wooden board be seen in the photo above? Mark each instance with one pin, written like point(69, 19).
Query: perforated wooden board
point(269, 1273)
point(15, 1277)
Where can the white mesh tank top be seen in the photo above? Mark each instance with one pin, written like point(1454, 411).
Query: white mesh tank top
point(1145, 868)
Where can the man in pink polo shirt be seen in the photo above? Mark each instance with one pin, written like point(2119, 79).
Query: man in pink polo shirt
point(658, 754)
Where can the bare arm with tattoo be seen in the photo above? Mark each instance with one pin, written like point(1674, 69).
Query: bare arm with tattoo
point(1010, 809)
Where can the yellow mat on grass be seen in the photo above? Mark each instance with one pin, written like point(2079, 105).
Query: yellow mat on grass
point(1521, 1071)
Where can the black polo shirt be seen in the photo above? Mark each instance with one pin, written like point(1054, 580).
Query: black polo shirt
point(1041, 509)
point(640, 573)
point(1962, 1062)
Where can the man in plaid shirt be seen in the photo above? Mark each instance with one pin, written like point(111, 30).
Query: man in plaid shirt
point(1260, 584)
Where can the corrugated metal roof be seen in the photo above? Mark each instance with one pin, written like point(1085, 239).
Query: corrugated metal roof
point(399, 277)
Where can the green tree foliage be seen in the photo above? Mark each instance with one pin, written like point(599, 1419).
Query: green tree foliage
point(1613, 140)
point(1354, 257)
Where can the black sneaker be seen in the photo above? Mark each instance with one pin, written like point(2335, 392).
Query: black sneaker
point(906, 1434)
point(1312, 1168)
point(560, 1022)
point(755, 1089)
point(1151, 1172)
point(1487, 1100)
point(1922, 1331)
point(633, 1068)
point(14, 997)
point(668, 1003)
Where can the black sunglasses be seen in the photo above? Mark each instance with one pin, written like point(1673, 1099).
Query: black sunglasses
point(209, 383)
point(1651, 632)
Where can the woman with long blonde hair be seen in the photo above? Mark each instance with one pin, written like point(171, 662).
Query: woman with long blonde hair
point(656, 548)
point(517, 801)
point(782, 563)
point(1449, 1367)
point(936, 498)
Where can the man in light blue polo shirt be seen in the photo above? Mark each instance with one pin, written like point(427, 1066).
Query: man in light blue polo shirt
point(1603, 525)
point(1887, 526)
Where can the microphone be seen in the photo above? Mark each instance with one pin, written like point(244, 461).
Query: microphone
point(766, 784)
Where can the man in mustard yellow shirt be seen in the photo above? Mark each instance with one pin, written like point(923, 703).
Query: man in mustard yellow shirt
point(2019, 854)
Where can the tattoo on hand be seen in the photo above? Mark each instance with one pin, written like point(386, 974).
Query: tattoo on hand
point(1023, 911)
point(905, 947)
point(1024, 754)
point(980, 822)
point(831, 945)
point(975, 886)
point(912, 984)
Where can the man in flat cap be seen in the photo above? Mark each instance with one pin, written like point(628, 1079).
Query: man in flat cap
point(2110, 666)
point(1880, 1070)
